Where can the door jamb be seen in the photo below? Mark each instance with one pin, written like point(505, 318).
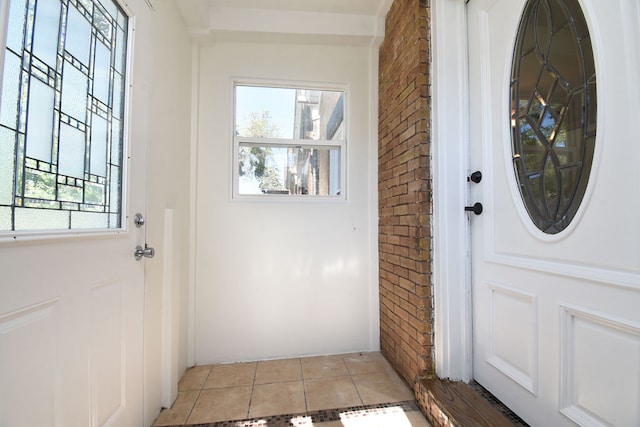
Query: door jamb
point(451, 249)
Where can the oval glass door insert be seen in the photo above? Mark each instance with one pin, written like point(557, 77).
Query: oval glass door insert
point(553, 111)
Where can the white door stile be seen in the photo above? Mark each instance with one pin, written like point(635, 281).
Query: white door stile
point(452, 287)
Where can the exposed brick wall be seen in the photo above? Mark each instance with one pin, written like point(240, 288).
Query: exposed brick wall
point(404, 187)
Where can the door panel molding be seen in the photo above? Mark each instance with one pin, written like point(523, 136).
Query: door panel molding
point(583, 394)
point(108, 364)
point(514, 313)
point(605, 277)
point(28, 344)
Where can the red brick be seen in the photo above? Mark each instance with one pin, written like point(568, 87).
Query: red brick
point(404, 183)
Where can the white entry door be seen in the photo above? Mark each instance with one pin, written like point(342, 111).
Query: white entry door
point(556, 307)
point(71, 302)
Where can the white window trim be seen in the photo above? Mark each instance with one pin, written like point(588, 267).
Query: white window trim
point(283, 142)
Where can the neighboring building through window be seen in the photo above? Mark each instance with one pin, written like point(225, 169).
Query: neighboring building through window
point(289, 141)
point(62, 115)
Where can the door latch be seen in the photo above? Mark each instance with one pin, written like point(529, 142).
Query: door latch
point(138, 220)
point(475, 177)
point(476, 208)
point(147, 252)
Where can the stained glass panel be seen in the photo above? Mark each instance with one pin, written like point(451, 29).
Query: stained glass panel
point(553, 111)
point(61, 115)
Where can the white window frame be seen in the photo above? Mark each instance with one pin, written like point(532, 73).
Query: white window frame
point(288, 143)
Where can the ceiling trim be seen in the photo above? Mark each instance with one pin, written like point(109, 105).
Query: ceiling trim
point(208, 24)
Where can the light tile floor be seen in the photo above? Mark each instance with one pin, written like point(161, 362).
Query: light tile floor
point(213, 393)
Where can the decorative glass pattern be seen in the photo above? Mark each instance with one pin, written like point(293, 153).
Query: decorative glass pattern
point(61, 115)
point(553, 111)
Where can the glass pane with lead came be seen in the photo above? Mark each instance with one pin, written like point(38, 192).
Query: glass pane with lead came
point(78, 39)
point(47, 27)
point(101, 73)
point(40, 121)
point(72, 152)
point(74, 92)
point(99, 129)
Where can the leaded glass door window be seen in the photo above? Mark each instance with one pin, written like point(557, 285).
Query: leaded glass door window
point(553, 111)
point(62, 114)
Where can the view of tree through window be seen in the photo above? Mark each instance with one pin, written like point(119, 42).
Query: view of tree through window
point(289, 141)
point(62, 114)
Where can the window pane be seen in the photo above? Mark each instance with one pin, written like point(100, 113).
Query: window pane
point(101, 22)
point(116, 135)
point(15, 34)
point(71, 157)
point(7, 165)
point(94, 193)
point(39, 185)
point(118, 90)
point(89, 220)
point(288, 113)
point(115, 189)
point(101, 73)
point(47, 24)
point(10, 91)
point(5, 218)
point(111, 9)
point(289, 170)
point(40, 121)
point(78, 40)
point(121, 45)
point(41, 219)
point(98, 146)
point(74, 92)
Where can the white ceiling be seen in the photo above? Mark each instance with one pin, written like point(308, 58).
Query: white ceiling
point(356, 22)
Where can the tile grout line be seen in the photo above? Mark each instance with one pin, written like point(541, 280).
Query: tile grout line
point(253, 387)
point(304, 387)
point(355, 386)
point(195, 402)
point(193, 406)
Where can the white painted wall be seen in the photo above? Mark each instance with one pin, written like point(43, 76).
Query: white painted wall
point(167, 227)
point(277, 279)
